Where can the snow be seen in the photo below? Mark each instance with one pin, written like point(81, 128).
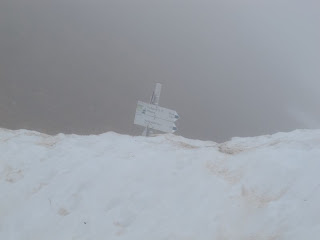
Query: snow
point(113, 186)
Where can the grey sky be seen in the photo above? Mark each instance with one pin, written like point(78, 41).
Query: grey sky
point(230, 68)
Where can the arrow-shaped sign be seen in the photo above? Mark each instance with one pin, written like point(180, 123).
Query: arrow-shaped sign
point(157, 112)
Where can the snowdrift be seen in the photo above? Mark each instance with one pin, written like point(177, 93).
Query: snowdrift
point(112, 186)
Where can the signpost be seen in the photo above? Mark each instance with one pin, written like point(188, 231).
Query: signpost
point(154, 117)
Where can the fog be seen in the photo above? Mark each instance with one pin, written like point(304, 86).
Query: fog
point(229, 68)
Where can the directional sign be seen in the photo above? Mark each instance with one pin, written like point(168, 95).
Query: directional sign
point(154, 123)
point(155, 117)
point(157, 112)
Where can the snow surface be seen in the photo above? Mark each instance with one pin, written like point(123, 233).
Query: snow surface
point(112, 186)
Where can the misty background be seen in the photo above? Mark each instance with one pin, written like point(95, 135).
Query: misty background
point(229, 68)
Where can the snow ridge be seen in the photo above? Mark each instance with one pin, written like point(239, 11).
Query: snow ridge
point(113, 186)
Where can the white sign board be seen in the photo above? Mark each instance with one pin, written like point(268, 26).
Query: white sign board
point(156, 117)
point(155, 123)
point(157, 112)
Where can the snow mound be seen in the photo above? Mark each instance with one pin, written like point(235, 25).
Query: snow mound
point(166, 187)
